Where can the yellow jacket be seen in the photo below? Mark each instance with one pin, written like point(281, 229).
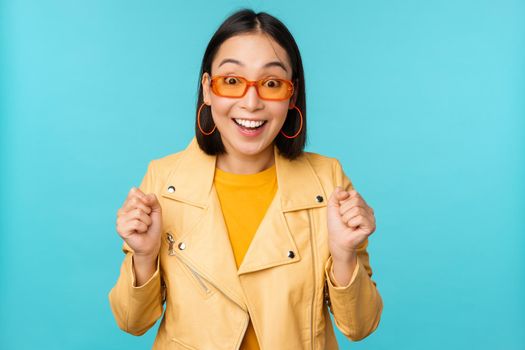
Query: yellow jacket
point(283, 282)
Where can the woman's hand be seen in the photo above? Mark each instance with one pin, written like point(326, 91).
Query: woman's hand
point(350, 222)
point(139, 223)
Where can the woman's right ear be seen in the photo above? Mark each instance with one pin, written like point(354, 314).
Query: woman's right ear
point(205, 81)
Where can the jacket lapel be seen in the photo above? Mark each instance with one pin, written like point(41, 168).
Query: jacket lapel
point(273, 243)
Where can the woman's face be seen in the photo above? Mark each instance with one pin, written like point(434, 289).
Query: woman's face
point(253, 56)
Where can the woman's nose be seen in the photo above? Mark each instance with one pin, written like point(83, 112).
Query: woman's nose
point(251, 100)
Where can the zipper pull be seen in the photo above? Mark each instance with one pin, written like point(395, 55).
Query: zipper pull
point(170, 240)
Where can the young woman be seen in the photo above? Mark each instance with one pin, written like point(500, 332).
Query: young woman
point(243, 238)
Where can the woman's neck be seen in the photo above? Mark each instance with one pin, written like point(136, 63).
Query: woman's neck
point(233, 162)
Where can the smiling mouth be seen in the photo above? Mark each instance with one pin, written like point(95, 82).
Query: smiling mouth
point(249, 124)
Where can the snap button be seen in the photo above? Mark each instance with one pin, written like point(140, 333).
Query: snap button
point(291, 254)
point(319, 199)
point(182, 245)
point(171, 189)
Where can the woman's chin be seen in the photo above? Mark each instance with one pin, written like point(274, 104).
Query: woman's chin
point(249, 148)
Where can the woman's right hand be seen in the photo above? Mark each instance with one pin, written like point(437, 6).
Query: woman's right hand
point(139, 223)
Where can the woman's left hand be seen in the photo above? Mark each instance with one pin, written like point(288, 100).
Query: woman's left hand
point(350, 222)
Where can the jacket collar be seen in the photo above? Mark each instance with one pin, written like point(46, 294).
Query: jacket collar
point(298, 185)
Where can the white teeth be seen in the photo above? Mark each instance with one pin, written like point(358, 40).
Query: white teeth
point(250, 123)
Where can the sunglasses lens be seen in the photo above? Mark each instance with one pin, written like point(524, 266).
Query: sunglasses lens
point(275, 89)
point(229, 86)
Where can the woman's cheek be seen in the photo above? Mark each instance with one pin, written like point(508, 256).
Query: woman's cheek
point(220, 114)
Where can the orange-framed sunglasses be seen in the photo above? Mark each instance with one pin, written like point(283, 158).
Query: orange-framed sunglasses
point(234, 86)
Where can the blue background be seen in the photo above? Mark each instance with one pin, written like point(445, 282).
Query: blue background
point(422, 101)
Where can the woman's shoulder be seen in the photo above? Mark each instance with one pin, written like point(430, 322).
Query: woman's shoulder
point(166, 163)
point(322, 162)
point(328, 169)
point(319, 159)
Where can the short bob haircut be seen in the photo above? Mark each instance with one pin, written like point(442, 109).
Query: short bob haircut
point(243, 22)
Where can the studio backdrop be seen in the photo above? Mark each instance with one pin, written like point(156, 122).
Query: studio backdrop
point(423, 102)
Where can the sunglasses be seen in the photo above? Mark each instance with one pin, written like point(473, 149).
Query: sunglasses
point(271, 89)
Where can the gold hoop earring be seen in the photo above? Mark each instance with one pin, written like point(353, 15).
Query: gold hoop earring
point(300, 127)
point(199, 122)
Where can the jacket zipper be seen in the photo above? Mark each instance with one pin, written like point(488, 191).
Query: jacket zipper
point(312, 313)
point(171, 252)
point(199, 279)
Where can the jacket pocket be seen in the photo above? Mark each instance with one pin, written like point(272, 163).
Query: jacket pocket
point(177, 344)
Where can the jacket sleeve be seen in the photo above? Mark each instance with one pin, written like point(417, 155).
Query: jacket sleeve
point(356, 307)
point(136, 309)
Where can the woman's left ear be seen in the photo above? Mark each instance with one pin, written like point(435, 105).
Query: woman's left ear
point(293, 100)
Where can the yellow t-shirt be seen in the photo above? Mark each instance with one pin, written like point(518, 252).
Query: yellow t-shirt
point(244, 200)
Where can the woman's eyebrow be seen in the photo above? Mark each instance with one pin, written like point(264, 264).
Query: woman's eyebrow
point(269, 64)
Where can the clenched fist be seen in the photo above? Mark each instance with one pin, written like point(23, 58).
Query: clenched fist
point(139, 223)
point(350, 222)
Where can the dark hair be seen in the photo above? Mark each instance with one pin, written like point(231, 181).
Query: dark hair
point(242, 22)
